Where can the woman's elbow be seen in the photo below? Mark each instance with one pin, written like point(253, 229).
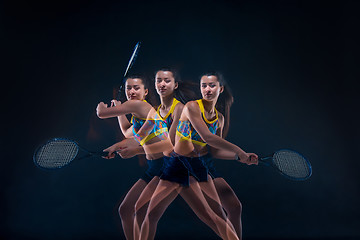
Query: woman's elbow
point(100, 115)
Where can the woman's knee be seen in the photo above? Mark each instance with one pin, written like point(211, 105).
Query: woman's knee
point(126, 210)
point(137, 206)
point(205, 214)
point(234, 206)
point(153, 216)
point(237, 205)
point(229, 200)
point(140, 209)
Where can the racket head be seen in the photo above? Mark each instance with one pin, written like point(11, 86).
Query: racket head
point(55, 153)
point(292, 164)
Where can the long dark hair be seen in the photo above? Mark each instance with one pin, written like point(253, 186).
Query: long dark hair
point(185, 90)
point(224, 101)
point(150, 97)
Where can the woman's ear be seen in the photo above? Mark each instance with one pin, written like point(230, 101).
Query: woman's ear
point(221, 89)
point(176, 85)
point(146, 92)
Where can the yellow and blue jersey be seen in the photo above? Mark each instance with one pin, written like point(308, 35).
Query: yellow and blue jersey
point(150, 128)
point(168, 118)
point(187, 132)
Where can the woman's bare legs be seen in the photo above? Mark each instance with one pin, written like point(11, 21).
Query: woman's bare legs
point(220, 195)
point(166, 192)
point(126, 209)
point(142, 204)
point(194, 197)
point(162, 197)
point(212, 197)
point(230, 203)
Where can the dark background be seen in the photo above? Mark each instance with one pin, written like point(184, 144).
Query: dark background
point(292, 67)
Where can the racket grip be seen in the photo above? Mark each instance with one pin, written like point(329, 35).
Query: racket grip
point(101, 154)
point(104, 154)
point(119, 92)
point(263, 161)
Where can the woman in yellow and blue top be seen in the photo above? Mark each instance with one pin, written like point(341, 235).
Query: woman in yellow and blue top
point(200, 126)
point(164, 83)
point(146, 128)
point(170, 88)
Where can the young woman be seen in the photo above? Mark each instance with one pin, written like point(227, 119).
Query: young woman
point(170, 89)
point(167, 86)
point(228, 198)
point(143, 115)
point(185, 172)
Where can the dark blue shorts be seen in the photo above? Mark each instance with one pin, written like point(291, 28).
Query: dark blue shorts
point(179, 169)
point(208, 161)
point(155, 168)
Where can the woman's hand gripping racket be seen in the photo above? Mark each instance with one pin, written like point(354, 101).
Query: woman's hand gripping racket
point(290, 164)
point(59, 152)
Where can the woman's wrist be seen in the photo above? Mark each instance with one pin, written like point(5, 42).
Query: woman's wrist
point(241, 154)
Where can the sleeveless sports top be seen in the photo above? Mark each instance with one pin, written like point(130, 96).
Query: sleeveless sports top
point(186, 131)
point(168, 118)
point(150, 128)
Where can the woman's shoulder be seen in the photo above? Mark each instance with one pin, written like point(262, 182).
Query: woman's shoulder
point(138, 103)
point(192, 104)
point(179, 107)
point(192, 107)
point(139, 108)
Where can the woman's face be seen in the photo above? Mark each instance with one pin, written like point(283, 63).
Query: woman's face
point(210, 88)
point(135, 89)
point(165, 83)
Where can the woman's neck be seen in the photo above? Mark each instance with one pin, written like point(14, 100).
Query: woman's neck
point(166, 101)
point(209, 106)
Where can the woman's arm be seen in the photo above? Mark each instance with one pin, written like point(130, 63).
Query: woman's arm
point(125, 125)
point(193, 113)
point(221, 153)
point(127, 148)
point(136, 107)
point(129, 152)
point(176, 116)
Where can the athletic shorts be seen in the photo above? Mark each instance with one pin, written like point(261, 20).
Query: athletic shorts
point(179, 169)
point(155, 168)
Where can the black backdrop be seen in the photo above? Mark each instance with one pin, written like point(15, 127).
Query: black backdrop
point(292, 69)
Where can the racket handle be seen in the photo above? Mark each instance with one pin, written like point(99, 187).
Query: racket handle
point(101, 154)
point(263, 161)
point(119, 92)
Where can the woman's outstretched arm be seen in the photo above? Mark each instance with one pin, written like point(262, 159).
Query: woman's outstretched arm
point(193, 113)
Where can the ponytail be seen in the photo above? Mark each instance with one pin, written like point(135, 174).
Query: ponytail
point(185, 91)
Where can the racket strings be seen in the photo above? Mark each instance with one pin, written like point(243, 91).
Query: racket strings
point(292, 164)
point(56, 153)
